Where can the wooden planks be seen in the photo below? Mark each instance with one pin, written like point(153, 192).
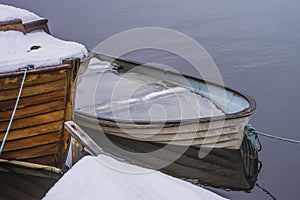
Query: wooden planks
point(34, 120)
point(32, 79)
point(65, 138)
point(37, 25)
point(29, 153)
point(37, 134)
point(33, 110)
point(33, 131)
point(33, 100)
point(34, 90)
point(30, 142)
point(15, 25)
point(82, 137)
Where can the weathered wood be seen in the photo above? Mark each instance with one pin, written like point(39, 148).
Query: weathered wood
point(34, 120)
point(33, 100)
point(40, 70)
point(35, 152)
point(33, 110)
point(77, 149)
point(33, 131)
point(37, 25)
point(44, 160)
point(30, 165)
point(32, 79)
point(34, 90)
point(83, 138)
point(15, 25)
point(37, 134)
point(30, 142)
point(70, 96)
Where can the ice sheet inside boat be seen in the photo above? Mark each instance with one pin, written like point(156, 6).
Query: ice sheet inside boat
point(110, 93)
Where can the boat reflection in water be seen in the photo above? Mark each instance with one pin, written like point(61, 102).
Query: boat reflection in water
point(21, 180)
point(235, 170)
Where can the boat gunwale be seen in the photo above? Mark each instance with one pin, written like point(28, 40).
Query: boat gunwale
point(38, 70)
point(243, 113)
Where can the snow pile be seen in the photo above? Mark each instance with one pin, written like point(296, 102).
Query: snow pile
point(103, 177)
point(17, 50)
point(8, 13)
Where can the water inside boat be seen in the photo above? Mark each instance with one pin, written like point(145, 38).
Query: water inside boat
point(130, 95)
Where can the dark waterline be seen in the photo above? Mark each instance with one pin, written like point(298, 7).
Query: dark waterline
point(255, 44)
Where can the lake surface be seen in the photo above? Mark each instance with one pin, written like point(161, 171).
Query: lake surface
point(255, 44)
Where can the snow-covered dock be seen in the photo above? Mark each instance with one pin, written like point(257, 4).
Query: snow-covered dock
point(103, 177)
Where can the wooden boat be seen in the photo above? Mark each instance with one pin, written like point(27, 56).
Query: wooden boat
point(225, 131)
point(37, 134)
point(17, 25)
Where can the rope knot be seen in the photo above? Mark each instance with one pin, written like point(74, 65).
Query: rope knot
point(252, 134)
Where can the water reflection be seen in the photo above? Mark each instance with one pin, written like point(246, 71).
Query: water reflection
point(235, 170)
point(23, 182)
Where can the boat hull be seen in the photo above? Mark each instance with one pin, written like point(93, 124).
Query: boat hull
point(219, 131)
point(37, 133)
point(212, 134)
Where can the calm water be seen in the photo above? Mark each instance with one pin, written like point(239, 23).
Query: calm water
point(256, 45)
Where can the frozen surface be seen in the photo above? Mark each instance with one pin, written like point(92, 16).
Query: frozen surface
point(8, 13)
point(113, 94)
point(103, 177)
point(15, 50)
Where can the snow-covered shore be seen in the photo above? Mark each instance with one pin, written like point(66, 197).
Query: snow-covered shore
point(103, 177)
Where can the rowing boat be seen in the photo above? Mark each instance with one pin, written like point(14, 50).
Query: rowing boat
point(36, 132)
point(225, 130)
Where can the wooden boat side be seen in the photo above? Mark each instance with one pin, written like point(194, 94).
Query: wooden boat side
point(15, 25)
point(37, 25)
point(43, 154)
point(37, 132)
point(217, 134)
point(226, 131)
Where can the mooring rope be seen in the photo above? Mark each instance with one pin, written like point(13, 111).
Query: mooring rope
point(16, 105)
point(252, 133)
point(266, 191)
